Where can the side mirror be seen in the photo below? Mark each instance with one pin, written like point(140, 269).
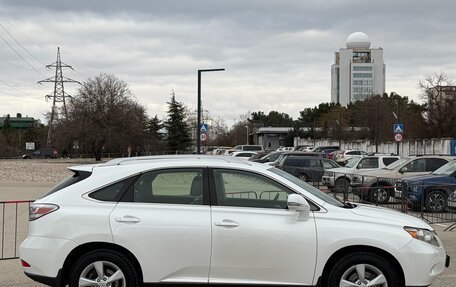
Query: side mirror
point(402, 170)
point(298, 203)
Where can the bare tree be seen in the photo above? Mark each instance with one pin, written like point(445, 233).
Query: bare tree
point(104, 116)
point(439, 92)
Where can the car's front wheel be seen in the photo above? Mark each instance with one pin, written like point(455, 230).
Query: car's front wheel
point(104, 268)
point(363, 269)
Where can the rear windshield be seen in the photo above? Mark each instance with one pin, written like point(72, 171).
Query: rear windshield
point(76, 177)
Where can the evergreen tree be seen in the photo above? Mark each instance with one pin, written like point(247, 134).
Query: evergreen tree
point(177, 129)
point(154, 141)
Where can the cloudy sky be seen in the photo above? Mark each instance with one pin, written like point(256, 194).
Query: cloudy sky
point(277, 54)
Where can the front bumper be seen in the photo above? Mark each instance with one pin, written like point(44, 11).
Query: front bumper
point(422, 262)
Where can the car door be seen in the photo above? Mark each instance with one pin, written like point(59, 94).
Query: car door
point(255, 238)
point(164, 220)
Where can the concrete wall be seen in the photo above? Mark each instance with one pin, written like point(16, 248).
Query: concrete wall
point(406, 148)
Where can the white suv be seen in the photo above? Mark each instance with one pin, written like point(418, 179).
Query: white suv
point(217, 220)
point(341, 177)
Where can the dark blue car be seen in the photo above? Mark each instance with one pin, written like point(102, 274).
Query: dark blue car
point(434, 192)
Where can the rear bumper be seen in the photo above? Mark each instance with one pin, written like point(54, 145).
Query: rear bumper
point(50, 281)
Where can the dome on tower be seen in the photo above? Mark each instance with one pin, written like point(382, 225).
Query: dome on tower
point(358, 40)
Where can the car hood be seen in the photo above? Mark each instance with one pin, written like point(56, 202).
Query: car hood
point(378, 173)
point(341, 169)
point(427, 178)
point(388, 216)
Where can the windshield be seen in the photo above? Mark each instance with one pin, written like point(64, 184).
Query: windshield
point(304, 185)
point(351, 162)
point(446, 169)
point(273, 156)
point(398, 163)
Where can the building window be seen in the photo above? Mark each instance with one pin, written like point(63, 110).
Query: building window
point(362, 75)
point(362, 68)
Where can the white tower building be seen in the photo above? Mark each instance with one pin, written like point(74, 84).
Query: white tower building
point(358, 71)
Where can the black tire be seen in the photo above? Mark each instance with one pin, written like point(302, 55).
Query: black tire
point(436, 201)
point(341, 185)
point(379, 194)
point(374, 266)
point(304, 177)
point(111, 262)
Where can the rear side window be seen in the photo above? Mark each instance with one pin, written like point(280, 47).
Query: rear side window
point(112, 192)
point(434, 163)
point(76, 177)
point(371, 162)
point(389, 160)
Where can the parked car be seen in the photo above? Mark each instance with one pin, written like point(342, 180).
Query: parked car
point(322, 148)
point(435, 192)
point(41, 153)
point(293, 153)
point(307, 168)
point(271, 157)
point(340, 177)
point(379, 185)
point(213, 220)
point(258, 156)
point(252, 147)
point(342, 156)
point(243, 154)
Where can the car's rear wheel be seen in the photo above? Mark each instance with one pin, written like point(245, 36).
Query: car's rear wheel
point(363, 269)
point(105, 268)
point(436, 201)
point(342, 185)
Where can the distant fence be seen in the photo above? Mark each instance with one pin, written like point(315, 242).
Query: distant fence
point(434, 203)
point(14, 227)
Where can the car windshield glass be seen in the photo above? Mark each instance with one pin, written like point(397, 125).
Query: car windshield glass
point(273, 156)
point(398, 163)
point(304, 185)
point(351, 162)
point(446, 169)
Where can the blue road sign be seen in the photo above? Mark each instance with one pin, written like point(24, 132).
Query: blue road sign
point(203, 128)
point(398, 128)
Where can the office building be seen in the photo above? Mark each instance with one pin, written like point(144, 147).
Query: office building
point(358, 71)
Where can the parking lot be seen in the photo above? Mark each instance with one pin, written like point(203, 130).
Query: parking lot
point(28, 180)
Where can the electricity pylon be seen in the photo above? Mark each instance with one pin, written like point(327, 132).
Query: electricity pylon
point(59, 92)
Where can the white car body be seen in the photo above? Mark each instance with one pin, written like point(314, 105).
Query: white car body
point(354, 167)
point(212, 243)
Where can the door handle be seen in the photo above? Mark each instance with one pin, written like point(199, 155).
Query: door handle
point(227, 223)
point(128, 219)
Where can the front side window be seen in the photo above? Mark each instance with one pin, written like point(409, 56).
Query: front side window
point(246, 189)
point(417, 165)
point(175, 186)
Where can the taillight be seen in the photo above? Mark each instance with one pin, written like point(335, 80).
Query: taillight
point(41, 209)
point(24, 263)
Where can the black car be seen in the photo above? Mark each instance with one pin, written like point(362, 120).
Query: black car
point(307, 168)
point(41, 153)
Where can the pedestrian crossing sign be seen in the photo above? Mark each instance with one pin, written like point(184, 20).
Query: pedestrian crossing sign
point(398, 128)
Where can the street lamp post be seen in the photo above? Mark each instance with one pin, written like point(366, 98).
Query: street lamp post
point(247, 127)
point(198, 128)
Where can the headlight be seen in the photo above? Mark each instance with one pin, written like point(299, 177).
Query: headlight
point(414, 188)
point(329, 173)
point(423, 235)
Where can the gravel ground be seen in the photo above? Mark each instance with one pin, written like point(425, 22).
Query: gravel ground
point(40, 171)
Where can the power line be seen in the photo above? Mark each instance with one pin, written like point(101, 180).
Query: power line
point(17, 42)
point(11, 86)
point(20, 56)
